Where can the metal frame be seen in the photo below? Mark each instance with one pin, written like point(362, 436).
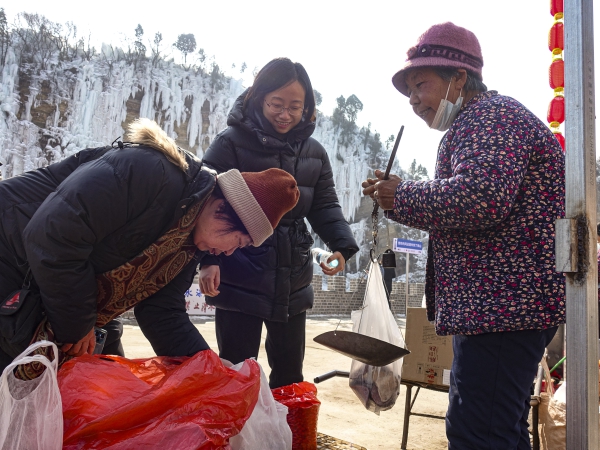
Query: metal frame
point(409, 402)
point(576, 235)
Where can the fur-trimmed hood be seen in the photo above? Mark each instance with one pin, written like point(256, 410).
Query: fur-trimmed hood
point(147, 132)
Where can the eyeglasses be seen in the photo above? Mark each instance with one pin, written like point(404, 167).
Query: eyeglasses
point(278, 109)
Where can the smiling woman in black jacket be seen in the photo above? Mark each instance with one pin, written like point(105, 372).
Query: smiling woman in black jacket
point(270, 126)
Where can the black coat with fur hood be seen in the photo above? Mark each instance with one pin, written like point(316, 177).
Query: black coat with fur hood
point(91, 213)
point(273, 281)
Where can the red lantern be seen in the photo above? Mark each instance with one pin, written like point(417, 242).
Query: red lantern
point(556, 110)
point(557, 74)
point(556, 6)
point(556, 36)
point(561, 140)
point(556, 71)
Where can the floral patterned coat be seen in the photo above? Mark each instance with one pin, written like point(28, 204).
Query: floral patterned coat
point(490, 212)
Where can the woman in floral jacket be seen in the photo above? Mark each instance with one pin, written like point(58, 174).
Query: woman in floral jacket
point(490, 212)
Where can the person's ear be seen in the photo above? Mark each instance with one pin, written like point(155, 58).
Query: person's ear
point(460, 80)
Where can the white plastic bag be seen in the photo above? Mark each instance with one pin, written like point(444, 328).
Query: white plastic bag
point(267, 427)
point(31, 411)
point(376, 387)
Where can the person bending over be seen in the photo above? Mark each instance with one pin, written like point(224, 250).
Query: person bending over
point(111, 229)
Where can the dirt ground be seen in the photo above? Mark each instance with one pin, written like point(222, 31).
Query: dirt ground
point(341, 414)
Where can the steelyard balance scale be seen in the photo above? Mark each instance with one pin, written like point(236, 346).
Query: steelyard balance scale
point(360, 347)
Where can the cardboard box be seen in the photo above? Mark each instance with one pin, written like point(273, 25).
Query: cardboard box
point(430, 358)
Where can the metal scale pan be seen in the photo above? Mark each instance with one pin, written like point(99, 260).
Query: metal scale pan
point(365, 349)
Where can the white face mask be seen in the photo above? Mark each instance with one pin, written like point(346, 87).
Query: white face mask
point(446, 112)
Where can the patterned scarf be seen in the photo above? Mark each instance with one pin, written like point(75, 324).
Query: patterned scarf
point(122, 288)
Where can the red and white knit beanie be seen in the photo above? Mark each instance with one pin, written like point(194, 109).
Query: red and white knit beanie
point(260, 199)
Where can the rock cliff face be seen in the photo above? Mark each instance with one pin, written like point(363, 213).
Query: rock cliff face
point(51, 111)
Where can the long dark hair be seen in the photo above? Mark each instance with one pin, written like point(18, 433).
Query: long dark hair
point(227, 214)
point(276, 74)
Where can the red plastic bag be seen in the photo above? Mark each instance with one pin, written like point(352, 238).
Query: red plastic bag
point(162, 402)
point(303, 412)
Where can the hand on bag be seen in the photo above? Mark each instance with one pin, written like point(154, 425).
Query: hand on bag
point(328, 270)
point(85, 345)
point(210, 279)
point(383, 191)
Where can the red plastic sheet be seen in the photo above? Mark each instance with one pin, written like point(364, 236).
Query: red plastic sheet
point(303, 412)
point(165, 403)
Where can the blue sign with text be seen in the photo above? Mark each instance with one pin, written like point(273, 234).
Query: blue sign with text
point(406, 246)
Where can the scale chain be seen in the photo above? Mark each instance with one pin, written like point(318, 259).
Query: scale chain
point(375, 220)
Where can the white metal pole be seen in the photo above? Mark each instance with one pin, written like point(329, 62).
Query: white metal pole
point(578, 230)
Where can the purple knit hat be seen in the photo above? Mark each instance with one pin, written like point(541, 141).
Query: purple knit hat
point(442, 45)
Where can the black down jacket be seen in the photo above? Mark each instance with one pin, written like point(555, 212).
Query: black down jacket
point(273, 281)
point(91, 213)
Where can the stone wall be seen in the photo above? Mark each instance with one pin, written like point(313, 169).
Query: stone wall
point(336, 300)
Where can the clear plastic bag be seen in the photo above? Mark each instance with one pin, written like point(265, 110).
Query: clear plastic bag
point(31, 411)
point(376, 387)
point(267, 427)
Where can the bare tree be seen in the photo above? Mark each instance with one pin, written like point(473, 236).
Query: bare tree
point(4, 37)
point(367, 136)
point(66, 41)
point(39, 38)
point(156, 48)
point(85, 49)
